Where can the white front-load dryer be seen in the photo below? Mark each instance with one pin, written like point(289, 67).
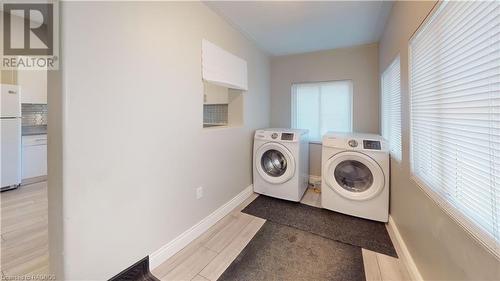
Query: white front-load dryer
point(355, 175)
point(281, 163)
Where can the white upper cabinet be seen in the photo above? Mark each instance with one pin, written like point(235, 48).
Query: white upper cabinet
point(33, 85)
point(223, 68)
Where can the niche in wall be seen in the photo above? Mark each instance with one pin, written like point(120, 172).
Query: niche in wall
point(224, 82)
point(222, 106)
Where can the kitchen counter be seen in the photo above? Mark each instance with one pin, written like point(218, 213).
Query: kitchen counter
point(34, 130)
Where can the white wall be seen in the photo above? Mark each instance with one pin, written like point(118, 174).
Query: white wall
point(359, 64)
point(133, 143)
point(441, 248)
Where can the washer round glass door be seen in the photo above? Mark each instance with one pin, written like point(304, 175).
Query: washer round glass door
point(354, 175)
point(275, 163)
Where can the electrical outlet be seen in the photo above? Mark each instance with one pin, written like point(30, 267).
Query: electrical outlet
point(199, 192)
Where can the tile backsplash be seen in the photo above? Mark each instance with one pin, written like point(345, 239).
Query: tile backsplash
point(215, 114)
point(34, 114)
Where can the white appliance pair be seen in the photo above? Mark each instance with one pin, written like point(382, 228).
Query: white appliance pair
point(10, 137)
point(281, 163)
point(355, 175)
point(355, 170)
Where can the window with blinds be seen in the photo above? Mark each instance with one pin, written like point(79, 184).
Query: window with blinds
point(455, 114)
point(391, 107)
point(322, 107)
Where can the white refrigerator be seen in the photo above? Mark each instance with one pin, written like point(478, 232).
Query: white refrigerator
point(10, 137)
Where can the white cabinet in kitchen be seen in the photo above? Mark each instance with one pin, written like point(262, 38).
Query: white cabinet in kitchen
point(223, 68)
point(33, 84)
point(34, 156)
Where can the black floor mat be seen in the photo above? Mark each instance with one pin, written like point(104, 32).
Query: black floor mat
point(359, 232)
point(280, 252)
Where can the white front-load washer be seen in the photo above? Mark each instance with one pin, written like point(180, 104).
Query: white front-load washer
point(355, 175)
point(281, 163)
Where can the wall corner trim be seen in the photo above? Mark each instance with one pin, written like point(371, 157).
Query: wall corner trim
point(181, 241)
point(402, 251)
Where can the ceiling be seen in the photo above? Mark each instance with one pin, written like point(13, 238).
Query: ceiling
point(282, 28)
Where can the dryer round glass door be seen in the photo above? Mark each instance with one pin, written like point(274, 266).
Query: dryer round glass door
point(275, 163)
point(354, 175)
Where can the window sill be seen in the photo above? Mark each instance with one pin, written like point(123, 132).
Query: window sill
point(212, 125)
point(474, 231)
point(222, 127)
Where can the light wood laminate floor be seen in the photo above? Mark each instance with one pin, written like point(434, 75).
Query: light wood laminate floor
point(207, 257)
point(24, 241)
point(24, 232)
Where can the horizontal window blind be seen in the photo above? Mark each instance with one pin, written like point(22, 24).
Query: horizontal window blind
point(391, 107)
point(455, 114)
point(322, 107)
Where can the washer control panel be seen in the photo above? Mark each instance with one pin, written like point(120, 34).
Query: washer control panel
point(352, 143)
point(371, 144)
point(277, 136)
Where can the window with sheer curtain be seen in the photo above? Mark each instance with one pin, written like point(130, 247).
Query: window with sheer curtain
point(322, 107)
point(391, 107)
point(455, 114)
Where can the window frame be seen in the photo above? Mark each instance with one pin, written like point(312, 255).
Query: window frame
point(293, 112)
point(468, 225)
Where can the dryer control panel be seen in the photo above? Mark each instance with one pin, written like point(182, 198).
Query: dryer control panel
point(355, 141)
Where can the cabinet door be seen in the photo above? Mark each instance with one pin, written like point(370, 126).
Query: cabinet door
point(34, 161)
point(8, 77)
point(33, 84)
point(223, 68)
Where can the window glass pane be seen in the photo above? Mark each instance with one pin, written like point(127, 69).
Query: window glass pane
point(307, 109)
point(323, 107)
point(335, 107)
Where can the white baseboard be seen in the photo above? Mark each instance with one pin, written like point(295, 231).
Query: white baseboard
point(181, 241)
point(403, 252)
point(33, 180)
